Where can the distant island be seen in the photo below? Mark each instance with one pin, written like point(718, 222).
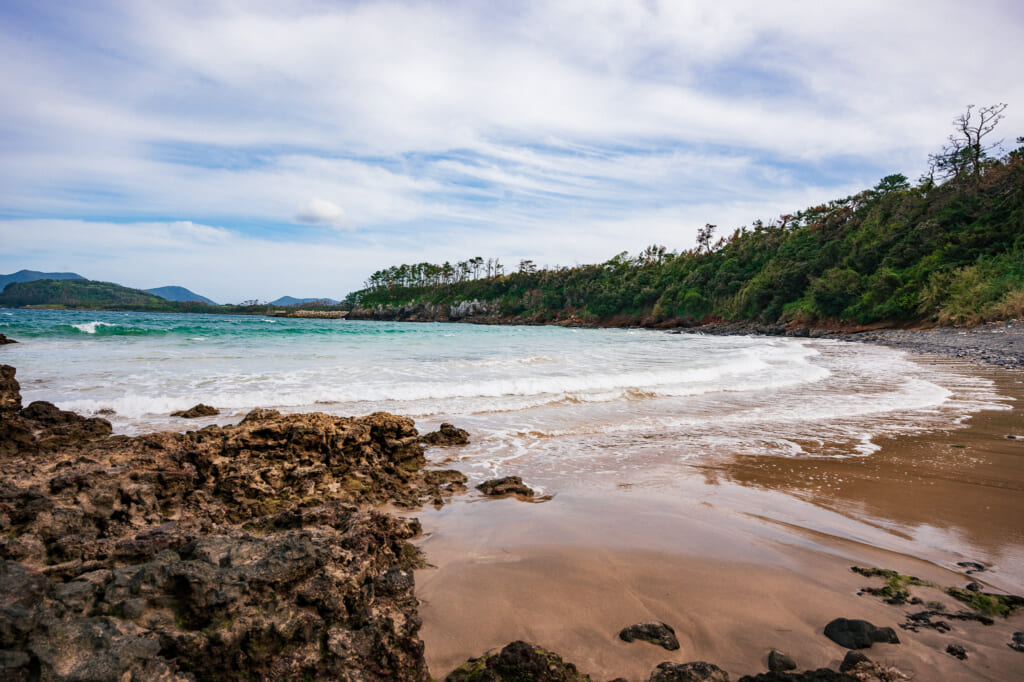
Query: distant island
point(32, 275)
point(175, 293)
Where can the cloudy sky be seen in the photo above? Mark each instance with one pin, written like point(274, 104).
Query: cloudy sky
point(256, 149)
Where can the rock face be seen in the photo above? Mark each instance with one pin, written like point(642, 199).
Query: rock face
point(509, 485)
point(40, 427)
point(654, 632)
point(196, 411)
point(518, 662)
point(858, 634)
point(221, 553)
point(469, 311)
point(4, 340)
point(698, 671)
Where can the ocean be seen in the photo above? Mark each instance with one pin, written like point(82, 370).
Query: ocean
point(555, 405)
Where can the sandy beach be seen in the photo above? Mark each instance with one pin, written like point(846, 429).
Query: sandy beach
point(741, 555)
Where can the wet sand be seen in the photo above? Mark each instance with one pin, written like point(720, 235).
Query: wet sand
point(740, 555)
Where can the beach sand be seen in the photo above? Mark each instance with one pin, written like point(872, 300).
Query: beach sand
point(741, 555)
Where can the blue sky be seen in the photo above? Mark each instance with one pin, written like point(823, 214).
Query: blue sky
point(257, 149)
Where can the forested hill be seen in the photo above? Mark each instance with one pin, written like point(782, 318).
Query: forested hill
point(949, 249)
point(91, 295)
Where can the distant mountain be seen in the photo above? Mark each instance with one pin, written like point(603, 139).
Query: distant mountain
point(32, 275)
point(287, 301)
point(173, 293)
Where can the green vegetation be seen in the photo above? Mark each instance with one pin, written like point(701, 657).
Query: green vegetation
point(949, 249)
point(986, 602)
point(87, 294)
point(896, 589)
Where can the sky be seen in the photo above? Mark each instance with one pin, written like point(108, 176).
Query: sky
point(250, 150)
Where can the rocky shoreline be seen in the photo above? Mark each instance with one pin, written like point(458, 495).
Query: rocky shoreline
point(1000, 344)
point(259, 551)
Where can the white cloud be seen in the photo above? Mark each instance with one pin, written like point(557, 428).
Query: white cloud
point(322, 212)
point(504, 129)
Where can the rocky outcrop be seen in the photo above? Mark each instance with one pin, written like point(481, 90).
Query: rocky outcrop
point(446, 435)
point(517, 662)
point(698, 671)
point(653, 631)
point(40, 427)
point(509, 485)
point(245, 551)
point(468, 311)
point(4, 340)
point(197, 411)
point(780, 662)
point(858, 634)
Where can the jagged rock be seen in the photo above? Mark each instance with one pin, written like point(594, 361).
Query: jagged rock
point(4, 340)
point(509, 485)
point(10, 391)
point(1018, 642)
point(858, 634)
point(698, 671)
point(196, 411)
point(851, 659)
point(517, 662)
point(215, 553)
point(654, 632)
point(957, 651)
point(971, 566)
point(780, 662)
point(446, 435)
point(40, 427)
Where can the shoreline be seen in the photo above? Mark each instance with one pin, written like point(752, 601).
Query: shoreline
point(741, 557)
point(748, 576)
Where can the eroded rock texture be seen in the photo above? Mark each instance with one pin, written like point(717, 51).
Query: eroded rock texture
point(237, 552)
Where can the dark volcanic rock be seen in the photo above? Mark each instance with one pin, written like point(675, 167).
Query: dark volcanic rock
point(196, 411)
point(851, 659)
point(221, 553)
point(1018, 642)
point(518, 662)
point(698, 671)
point(509, 485)
point(446, 435)
point(819, 675)
point(780, 662)
point(40, 427)
point(858, 634)
point(4, 340)
point(653, 631)
point(957, 651)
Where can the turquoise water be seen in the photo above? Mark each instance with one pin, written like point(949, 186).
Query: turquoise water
point(553, 402)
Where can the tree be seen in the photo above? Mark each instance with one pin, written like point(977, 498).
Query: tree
point(704, 236)
point(966, 152)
